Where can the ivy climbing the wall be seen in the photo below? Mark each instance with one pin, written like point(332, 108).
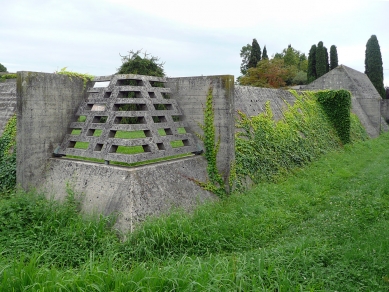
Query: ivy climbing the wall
point(266, 149)
point(336, 104)
point(8, 157)
point(211, 145)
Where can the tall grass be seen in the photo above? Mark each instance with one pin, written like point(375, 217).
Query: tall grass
point(324, 228)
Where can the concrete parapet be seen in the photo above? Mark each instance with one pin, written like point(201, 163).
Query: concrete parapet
point(191, 94)
point(133, 193)
point(46, 105)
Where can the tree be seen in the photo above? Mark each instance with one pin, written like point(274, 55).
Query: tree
point(373, 65)
point(2, 68)
point(320, 60)
point(255, 55)
point(311, 71)
point(135, 64)
point(333, 57)
point(264, 53)
point(387, 92)
point(300, 78)
point(268, 73)
point(146, 65)
point(327, 63)
point(245, 53)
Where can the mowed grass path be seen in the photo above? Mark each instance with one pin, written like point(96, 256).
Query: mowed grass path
point(324, 228)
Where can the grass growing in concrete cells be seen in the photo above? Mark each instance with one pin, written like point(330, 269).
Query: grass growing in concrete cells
point(325, 228)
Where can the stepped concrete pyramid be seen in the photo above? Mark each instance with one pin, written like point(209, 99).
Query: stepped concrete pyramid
point(129, 103)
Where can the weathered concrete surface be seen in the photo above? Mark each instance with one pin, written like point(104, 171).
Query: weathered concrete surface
point(46, 105)
point(252, 100)
point(191, 94)
point(7, 102)
point(133, 193)
point(361, 89)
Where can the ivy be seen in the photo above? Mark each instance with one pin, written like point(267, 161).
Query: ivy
point(336, 104)
point(8, 157)
point(84, 77)
point(266, 149)
point(216, 182)
point(3, 77)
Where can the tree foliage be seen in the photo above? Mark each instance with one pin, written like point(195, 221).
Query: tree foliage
point(245, 53)
point(373, 64)
point(333, 57)
point(268, 73)
point(321, 67)
point(311, 72)
point(255, 55)
point(286, 68)
point(3, 68)
point(264, 53)
point(146, 65)
point(327, 62)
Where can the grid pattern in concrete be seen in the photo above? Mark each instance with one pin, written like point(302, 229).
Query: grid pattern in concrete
point(130, 103)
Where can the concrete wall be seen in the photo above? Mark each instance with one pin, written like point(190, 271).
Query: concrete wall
point(133, 193)
point(252, 100)
point(7, 102)
point(191, 94)
point(46, 104)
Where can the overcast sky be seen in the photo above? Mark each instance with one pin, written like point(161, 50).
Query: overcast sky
point(192, 37)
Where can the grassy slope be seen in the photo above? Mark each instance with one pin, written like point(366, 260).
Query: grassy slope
point(322, 229)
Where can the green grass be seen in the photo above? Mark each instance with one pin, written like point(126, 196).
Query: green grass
point(323, 228)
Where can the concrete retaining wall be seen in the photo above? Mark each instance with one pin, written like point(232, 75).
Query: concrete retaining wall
point(7, 102)
point(133, 193)
point(46, 104)
point(191, 94)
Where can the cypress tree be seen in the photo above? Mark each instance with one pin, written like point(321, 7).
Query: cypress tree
point(255, 55)
point(327, 63)
point(311, 72)
point(3, 68)
point(333, 57)
point(264, 54)
point(373, 65)
point(320, 60)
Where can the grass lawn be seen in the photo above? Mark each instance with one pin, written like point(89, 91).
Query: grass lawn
point(323, 228)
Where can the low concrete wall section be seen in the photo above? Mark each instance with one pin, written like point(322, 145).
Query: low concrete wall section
point(132, 193)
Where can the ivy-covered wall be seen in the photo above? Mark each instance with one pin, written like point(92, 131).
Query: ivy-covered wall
point(315, 124)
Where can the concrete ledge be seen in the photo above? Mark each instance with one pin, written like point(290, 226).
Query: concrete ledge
point(134, 193)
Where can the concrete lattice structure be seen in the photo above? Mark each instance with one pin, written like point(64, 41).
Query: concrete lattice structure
point(103, 111)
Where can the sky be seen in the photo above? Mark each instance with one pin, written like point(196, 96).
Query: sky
point(192, 38)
